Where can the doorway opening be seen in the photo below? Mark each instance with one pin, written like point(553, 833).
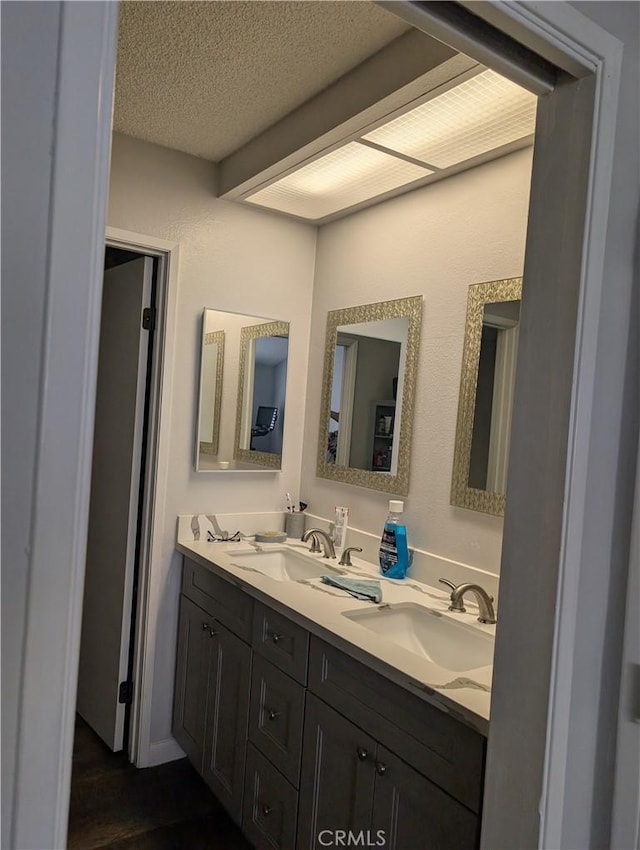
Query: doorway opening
point(342, 393)
point(120, 495)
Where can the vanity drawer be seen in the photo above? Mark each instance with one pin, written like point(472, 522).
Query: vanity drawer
point(282, 642)
point(440, 747)
point(219, 598)
point(276, 715)
point(270, 805)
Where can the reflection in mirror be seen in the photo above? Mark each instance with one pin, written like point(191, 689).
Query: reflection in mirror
point(368, 390)
point(365, 378)
point(211, 371)
point(242, 378)
point(262, 381)
point(487, 385)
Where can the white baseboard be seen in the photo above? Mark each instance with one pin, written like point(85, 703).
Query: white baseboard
point(161, 752)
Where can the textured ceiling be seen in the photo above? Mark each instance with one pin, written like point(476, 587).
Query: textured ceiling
point(205, 77)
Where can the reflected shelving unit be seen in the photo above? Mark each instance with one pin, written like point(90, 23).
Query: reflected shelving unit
point(384, 414)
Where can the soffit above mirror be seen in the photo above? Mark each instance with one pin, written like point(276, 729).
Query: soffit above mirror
point(472, 117)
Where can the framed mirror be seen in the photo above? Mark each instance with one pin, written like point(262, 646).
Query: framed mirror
point(485, 404)
point(368, 390)
point(243, 371)
point(262, 380)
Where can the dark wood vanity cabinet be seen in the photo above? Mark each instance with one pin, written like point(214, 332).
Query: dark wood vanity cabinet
point(190, 694)
point(211, 698)
point(351, 782)
point(337, 776)
point(298, 739)
point(226, 720)
point(407, 805)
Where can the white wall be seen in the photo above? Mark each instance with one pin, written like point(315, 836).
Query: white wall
point(231, 258)
point(435, 241)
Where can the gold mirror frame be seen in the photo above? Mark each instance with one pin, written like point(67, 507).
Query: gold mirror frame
point(463, 496)
point(211, 338)
point(247, 335)
point(410, 308)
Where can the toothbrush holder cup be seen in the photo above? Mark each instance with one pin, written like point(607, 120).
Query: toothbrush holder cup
point(294, 524)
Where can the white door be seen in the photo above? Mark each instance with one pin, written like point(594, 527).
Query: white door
point(113, 509)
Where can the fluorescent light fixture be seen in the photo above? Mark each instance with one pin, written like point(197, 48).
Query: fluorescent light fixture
point(479, 115)
point(342, 178)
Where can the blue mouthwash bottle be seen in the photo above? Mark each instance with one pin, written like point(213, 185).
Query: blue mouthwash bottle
point(394, 552)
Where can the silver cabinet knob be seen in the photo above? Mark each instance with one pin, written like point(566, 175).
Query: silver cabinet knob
point(275, 637)
point(362, 753)
point(271, 714)
point(381, 768)
point(266, 810)
point(212, 632)
point(205, 627)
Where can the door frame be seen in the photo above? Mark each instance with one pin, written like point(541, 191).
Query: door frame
point(155, 486)
point(80, 163)
point(534, 780)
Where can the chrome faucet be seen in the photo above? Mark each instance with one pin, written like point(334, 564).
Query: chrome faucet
point(486, 612)
point(327, 542)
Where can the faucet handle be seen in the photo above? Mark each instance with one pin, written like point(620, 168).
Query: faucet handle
point(345, 560)
point(456, 603)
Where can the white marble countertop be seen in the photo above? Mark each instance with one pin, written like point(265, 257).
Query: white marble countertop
point(319, 608)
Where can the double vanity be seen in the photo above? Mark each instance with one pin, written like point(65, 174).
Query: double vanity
point(306, 710)
point(309, 711)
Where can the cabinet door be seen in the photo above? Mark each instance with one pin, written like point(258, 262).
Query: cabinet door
point(337, 778)
point(229, 676)
point(410, 811)
point(270, 805)
point(190, 696)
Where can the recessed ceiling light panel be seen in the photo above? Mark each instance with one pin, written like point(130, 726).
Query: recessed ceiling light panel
point(479, 115)
point(346, 176)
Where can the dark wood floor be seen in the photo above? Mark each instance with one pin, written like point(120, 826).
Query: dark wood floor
point(115, 806)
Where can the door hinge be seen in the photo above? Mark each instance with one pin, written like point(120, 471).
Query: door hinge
point(149, 318)
point(125, 692)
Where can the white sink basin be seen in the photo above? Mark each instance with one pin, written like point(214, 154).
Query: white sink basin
point(283, 564)
point(439, 639)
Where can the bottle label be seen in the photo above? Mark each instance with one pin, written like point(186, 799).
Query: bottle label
point(388, 549)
